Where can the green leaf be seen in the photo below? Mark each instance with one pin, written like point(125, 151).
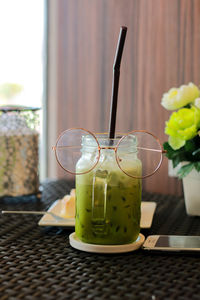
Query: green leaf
point(168, 148)
point(176, 161)
point(187, 106)
point(185, 170)
point(197, 166)
point(190, 146)
point(176, 156)
point(196, 152)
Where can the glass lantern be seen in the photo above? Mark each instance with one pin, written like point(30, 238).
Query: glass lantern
point(19, 157)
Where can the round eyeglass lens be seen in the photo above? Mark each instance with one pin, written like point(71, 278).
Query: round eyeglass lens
point(70, 152)
point(144, 154)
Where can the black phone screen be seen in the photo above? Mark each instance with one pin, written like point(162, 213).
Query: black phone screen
point(178, 241)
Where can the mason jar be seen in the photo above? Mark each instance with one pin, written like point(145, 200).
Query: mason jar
point(108, 202)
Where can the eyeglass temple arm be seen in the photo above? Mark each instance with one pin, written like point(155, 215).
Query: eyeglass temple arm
point(61, 147)
point(141, 148)
point(150, 149)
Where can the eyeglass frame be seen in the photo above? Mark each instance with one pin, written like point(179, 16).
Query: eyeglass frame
point(162, 151)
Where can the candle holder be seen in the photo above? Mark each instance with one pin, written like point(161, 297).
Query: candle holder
point(19, 157)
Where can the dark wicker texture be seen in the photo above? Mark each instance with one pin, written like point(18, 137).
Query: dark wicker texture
point(38, 263)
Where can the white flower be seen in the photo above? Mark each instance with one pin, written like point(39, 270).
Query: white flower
point(176, 98)
point(197, 102)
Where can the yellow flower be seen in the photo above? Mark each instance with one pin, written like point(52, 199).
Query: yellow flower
point(178, 97)
point(182, 126)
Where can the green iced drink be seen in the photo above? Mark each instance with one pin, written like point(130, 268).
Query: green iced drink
point(107, 200)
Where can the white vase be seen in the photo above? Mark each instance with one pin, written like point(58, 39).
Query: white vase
point(191, 188)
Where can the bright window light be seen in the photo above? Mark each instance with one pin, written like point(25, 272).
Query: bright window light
point(22, 65)
point(21, 52)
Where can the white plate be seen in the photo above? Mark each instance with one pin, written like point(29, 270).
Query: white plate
point(147, 212)
point(77, 244)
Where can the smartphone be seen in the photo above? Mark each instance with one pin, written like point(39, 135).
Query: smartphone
point(172, 243)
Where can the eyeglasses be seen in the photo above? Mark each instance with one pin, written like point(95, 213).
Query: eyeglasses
point(138, 153)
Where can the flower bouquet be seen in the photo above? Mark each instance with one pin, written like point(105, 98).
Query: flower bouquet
point(183, 128)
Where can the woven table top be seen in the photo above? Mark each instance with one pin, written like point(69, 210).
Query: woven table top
point(38, 262)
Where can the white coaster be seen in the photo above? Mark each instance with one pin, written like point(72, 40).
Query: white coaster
point(77, 244)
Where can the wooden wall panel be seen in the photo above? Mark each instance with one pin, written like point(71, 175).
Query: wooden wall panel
point(161, 51)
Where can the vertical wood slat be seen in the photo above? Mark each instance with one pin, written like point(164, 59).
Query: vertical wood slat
point(161, 51)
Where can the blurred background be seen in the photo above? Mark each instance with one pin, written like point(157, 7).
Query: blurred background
point(23, 56)
point(59, 55)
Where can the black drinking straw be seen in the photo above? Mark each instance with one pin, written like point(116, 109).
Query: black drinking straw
point(115, 81)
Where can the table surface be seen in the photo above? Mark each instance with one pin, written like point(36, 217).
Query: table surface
point(38, 262)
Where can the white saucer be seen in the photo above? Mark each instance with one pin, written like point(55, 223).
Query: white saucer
point(77, 244)
point(147, 212)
